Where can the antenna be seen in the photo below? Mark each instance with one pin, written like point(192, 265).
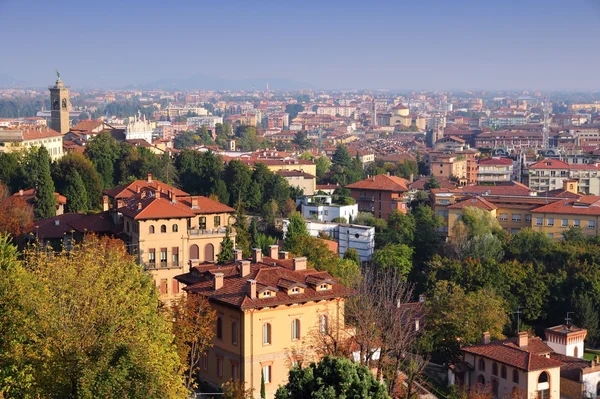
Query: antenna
point(518, 313)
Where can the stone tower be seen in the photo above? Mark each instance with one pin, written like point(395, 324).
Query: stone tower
point(59, 105)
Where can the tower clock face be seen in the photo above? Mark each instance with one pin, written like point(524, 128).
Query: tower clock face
point(55, 104)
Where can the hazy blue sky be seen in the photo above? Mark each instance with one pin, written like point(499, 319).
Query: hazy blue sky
point(400, 44)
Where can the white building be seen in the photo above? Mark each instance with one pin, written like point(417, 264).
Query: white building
point(360, 238)
point(322, 208)
point(209, 121)
point(138, 128)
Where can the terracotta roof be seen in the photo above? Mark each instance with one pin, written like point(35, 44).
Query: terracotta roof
point(87, 125)
point(274, 274)
point(571, 366)
point(505, 188)
point(550, 164)
point(204, 205)
point(513, 356)
point(381, 182)
point(444, 182)
point(496, 161)
point(586, 205)
point(131, 189)
point(476, 202)
point(39, 133)
point(295, 173)
point(29, 196)
point(56, 227)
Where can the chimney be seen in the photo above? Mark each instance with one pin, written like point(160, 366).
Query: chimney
point(273, 251)
point(120, 203)
point(139, 206)
point(218, 281)
point(486, 338)
point(237, 254)
point(149, 180)
point(284, 254)
point(300, 263)
point(137, 188)
point(21, 192)
point(256, 255)
point(195, 203)
point(105, 203)
point(411, 177)
point(421, 298)
point(523, 339)
point(244, 268)
point(596, 360)
point(252, 289)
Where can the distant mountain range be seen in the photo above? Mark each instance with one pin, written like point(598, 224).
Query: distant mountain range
point(206, 82)
point(10, 82)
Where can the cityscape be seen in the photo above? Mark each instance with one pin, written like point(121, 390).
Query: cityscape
point(300, 200)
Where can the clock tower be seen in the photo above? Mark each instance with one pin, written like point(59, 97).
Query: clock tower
point(59, 105)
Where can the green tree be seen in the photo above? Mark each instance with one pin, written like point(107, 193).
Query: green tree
point(352, 255)
point(426, 238)
point(11, 171)
point(226, 254)
point(342, 157)
point(587, 317)
point(104, 152)
point(237, 177)
point(400, 229)
point(332, 378)
point(432, 183)
point(293, 110)
point(296, 228)
point(455, 318)
point(323, 164)
point(45, 202)
point(301, 140)
point(84, 324)
point(86, 170)
point(220, 190)
point(77, 198)
point(398, 256)
point(263, 391)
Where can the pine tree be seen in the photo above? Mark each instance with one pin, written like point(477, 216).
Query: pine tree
point(226, 253)
point(263, 390)
point(296, 229)
point(45, 203)
point(254, 233)
point(77, 197)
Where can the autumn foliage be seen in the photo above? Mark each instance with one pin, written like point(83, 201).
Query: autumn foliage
point(16, 216)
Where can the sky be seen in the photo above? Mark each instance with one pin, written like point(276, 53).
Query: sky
point(328, 44)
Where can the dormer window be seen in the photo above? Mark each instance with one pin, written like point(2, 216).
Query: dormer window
point(324, 287)
point(295, 290)
point(266, 294)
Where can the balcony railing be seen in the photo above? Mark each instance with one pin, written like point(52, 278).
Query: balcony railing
point(202, 232)
point(161, 265)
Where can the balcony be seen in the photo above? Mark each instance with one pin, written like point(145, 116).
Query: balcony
point(209, 232)
point(162, 265)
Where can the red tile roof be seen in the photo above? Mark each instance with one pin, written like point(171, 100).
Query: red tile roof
point(56, 227)
point(381, 182)
point(271, 273)
point(41, 132)
point(496, 161)
point(513, 356)
point(29, 196)
point(476, 202)
point(585, 205)
point(87, 126)
point(131, 189)
point(550, 164)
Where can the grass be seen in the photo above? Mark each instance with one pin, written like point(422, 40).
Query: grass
point(590, 353)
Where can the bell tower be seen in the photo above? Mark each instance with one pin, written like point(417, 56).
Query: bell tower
point(59, 105)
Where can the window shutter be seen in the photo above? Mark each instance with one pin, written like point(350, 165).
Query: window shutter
point(175, 286)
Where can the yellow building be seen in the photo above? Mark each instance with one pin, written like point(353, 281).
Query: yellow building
point(167, 228)
point(517, 367)
point(275, 165)
point(32, 136)
point(270, 311)
point(449, 165)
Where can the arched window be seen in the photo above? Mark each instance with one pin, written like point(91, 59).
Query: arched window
point(323, 324)
point(481, 364)
point(516, 376)
point(151, 229)
point(543, 388)
point(495, 368)
point(267, 334)
point(503, 371)
point(219, 328)
point(163, 228)
point(481, 380)
point(296, 329)
point(234, 333)
point(543, 377)
point(175, 228)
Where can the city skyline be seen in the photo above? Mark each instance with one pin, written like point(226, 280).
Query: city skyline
point(391, 45)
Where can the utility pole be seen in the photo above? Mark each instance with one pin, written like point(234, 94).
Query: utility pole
point(518, 313)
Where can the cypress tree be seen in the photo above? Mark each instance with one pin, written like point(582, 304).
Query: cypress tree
point(263, 390)
point(45, 203)
point(77, 197)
